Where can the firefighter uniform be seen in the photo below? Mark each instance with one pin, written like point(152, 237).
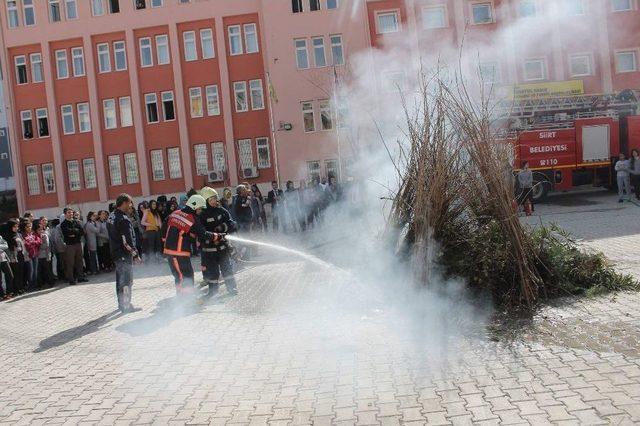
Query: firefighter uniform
point(216, 255)
point(182, 227)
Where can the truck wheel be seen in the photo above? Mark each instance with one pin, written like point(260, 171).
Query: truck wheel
point(541, 189)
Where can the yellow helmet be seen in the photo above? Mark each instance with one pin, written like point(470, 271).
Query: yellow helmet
point(208, 192)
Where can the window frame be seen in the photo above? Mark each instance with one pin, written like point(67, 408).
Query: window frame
point(64, 114)
point(497, 73)
point(445, 16)
point(162, 45)
point(306, 53)
point(230, 37)
point(173, 102)
point(253, 90)
point(79, 179)
point(316, 49)
point(33, 187)
point(632, 6)
point(157, 154)
point(129, 115)
point(268, 148)
point(201, 161)
point(66, 62)
point(74, 56)
point(337, 4)
point(333, 48)
point(102, 8)
point(26, 116)
point(205, 38)
point(115, 165)
point(325, 106)
point(218, 149)
point(90, 174)
point(215, 94)
point(634, 52)
point(51, 8)
point(38, 118)
point(131, 158)
point(195, 94)
point(394, 12)
point(245, 149)
point(67, 9)
point(13, 16)
point(87, 113)
point(306, 111)
point(33, 13)
point(534, 3)
point(120, 50)
point(48, 175)
point(148, 47)
point(147, 97)
point(17, 69)
point(32, 62)
point(105, 114)
point(252, 34)
point(475, 4)
point(589, 58)
point(242, 84)
point(170, 156)
point(191, 42)
point(545, 71)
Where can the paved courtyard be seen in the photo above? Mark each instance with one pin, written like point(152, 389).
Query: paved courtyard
point(304, 344)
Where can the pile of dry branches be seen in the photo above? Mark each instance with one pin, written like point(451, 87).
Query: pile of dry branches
point(456, 182)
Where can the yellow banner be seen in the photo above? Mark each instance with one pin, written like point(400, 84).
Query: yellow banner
point(545, 90)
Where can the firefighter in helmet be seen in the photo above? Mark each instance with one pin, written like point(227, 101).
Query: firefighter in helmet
point(216, 254)
point(181, 228)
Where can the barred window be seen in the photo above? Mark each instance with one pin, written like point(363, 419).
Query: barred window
point(173, 158)
point(131, 167)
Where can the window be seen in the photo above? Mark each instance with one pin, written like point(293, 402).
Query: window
point(388, 22)
point(131, 167)
point(84, 121)
point(296, 6)
point(307, 117)
point(168, 109)
point(141, 4)
point(27, 124)
point(313, 167)
point(71, 9)
point(575, 7)
point(54, 11)
point(332, 4)
point(621, 5)
point(235, 40)
point(240, 92)
point(527, 8)
point(48, 178)
point(126, 117)
point(89, 169)
point(489, 72)
point(12, 13)
point(43, 122)
point(33, 180)
point(114, 6)
point(157, 165)
point(264, 156)
point(302, 56)
point(115, 171)
point(77, 61)
point(251, 38)
point(162, 49)
point(190, 51)
point(331, 167)
point(146, 57)
point(68, 123)
point(337, 52)
point(580, 65)
point(73, 171)
point(29, 12)
point(314, 5)
point(21, 69)
point(318, 52)
point(62, 65)
point(535, 69)
point(482, 13)
point(326, 115)
point(202, 160)
point(257, 94)
point(195, 100)
point(434, 17)
point(217, 154)
point(109, 111)
point(173, 158)
point(156, 3)
point(151, 101)
point(213, 100)
point(206, 42)
point(626, 61)
point(120, 55)
point(244, 151)
point(36, 68)
point(97, 7)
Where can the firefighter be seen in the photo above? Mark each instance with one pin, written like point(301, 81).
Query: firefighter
point(216, 254)
point(181, 229)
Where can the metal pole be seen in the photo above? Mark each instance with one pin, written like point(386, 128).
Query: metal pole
point(273, 130)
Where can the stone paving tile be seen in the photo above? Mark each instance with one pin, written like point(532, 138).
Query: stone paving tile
point(286, 351)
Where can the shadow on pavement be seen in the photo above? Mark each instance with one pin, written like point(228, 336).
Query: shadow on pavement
point(166, 311)
point(36, 293)
point(74, 333)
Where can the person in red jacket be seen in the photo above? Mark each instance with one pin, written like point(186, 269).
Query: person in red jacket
point(180, 230)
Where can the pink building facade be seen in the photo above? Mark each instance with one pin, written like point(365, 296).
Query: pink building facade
point(154, 97)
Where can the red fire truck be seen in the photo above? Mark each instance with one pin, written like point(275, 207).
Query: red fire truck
point(573, 141)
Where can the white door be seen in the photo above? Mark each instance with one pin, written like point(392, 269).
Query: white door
point(595, 143)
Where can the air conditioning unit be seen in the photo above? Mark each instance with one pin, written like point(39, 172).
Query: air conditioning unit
point(250, 172)
point(215, 176)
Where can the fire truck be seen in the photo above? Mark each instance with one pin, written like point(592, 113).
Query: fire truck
point(573, 141)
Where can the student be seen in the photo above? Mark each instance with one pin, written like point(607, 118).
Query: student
point(622, 175)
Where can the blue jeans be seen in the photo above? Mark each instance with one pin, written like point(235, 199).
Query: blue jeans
point(624, 187)
point(124, 278)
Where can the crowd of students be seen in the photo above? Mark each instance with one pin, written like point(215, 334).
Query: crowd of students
point(35, 253)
